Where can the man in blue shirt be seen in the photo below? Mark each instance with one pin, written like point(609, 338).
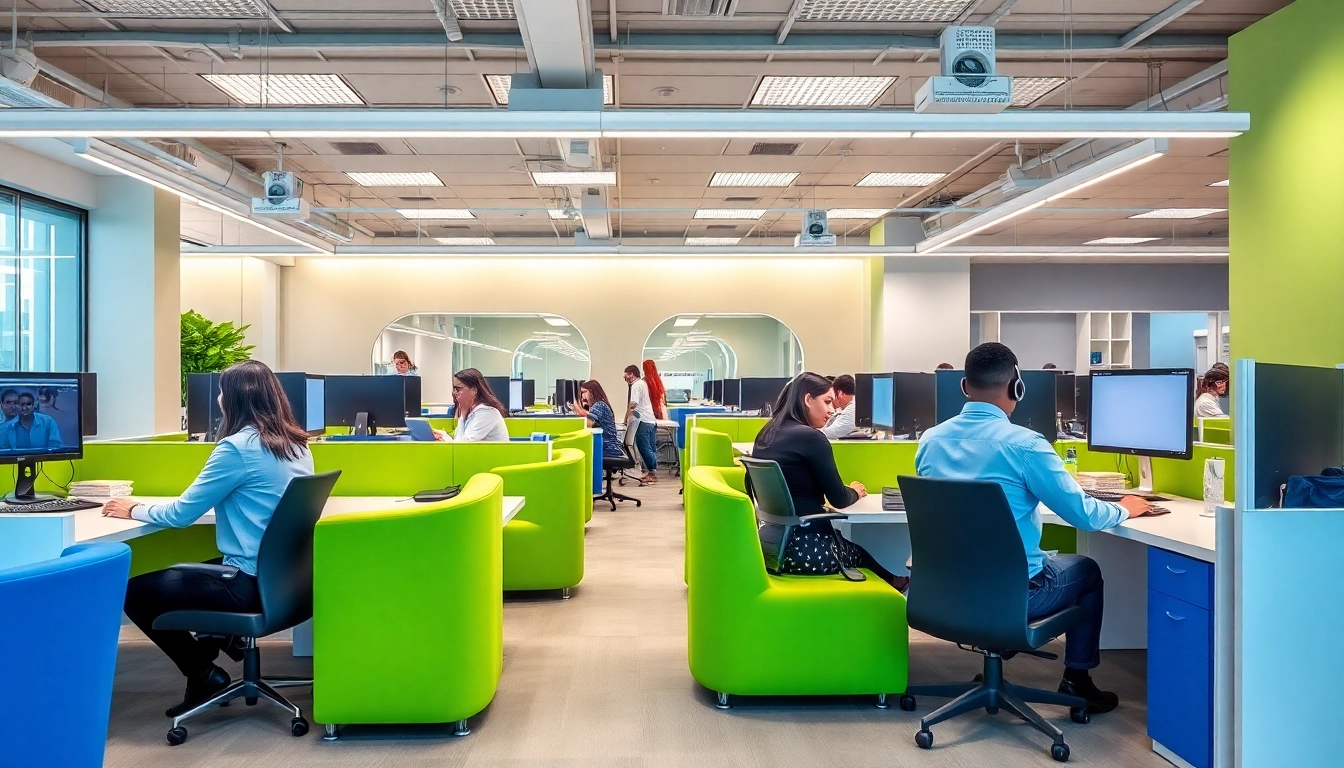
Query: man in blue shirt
point(982, 444)
point(30, 431)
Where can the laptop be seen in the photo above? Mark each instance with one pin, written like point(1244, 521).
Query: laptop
point(421, 431)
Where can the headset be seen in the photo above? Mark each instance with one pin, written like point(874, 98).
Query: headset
point(1017, 388)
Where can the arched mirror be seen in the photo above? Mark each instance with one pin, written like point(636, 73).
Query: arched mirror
point(537, 347)
point(691, 349)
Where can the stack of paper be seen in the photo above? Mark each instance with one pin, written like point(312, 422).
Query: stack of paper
point(1102, 481)
point(100, 489)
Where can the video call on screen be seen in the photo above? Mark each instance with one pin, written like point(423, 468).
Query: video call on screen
point(54, 425)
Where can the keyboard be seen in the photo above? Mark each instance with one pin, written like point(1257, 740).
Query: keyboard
point(54, 505)
point(1116, 497)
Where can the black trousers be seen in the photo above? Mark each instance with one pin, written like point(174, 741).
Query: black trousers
point(150, 595)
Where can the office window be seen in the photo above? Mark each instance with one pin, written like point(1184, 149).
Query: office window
point(42, 300)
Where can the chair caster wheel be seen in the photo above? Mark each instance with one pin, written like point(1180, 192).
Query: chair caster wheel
point(1080, 715)
point(1060, 752)
point(251, 701)
point(177, 736)
point(924, 739)
point(298, 727)
point(907, 703)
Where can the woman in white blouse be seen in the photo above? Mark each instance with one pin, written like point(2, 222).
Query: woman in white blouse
point(480, 414)
point(1212, 387)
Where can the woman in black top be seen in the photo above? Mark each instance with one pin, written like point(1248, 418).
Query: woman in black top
point(793, 439)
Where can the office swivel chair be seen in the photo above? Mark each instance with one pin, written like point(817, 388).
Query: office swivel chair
point(632, 453)
point(774, 504)
point(614, 465)
point(968, 585)
point(285, 581)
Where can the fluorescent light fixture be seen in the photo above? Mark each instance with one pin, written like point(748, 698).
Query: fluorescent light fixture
point(1121, 240)
point(685, 322)
point(225, 9)
point(286, 90)
point(882, 10)
point(729, 213)
point(436, 213)
point(1029, 90)
point(1178, 213)
point(752, 179)
point(573, 178)
point(414, 179)
point(899, 179)
point(557, 214)
point(1223, 183)
point(1026, 133)
point(558, 322)
point(856, 213)
point(819, 91)
point(465, 240)
point(500, 85)
point(1129, 166)
point(713, 240)
point(482, 9)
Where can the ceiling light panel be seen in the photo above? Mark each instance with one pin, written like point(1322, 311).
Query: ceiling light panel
point(752, 179)
point(1121, 240)
point(1223, 183)
point(557, 214)
point(687, 322)
point(882, 10)
point(856, 213)
point(466, 240)
point(227, 9)
point(713, 240)
point(500, 85)
point(820, 91)
point(575, 178)
point(436, 213)
point(899, 179)
point(288, 90)
point(557, 322)
point(482, 9)
point(1029, 90)
point(416, 179)
point(730, 213)
point(1178, 213)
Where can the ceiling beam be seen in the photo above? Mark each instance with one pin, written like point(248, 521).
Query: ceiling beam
point(611, 21)
point(789, 20)
point(448, 19)
point(558, 36)
point(1152, 26)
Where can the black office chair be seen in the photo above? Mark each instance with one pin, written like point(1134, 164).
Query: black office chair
point(611, 467)
point(968, 585)
point(285, 581)
point(770, 496)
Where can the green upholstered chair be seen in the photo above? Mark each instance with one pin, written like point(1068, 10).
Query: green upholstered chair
point(710, 449)
point(582, 440)
point(543, 545)
point(408, 611)
point(737, 611)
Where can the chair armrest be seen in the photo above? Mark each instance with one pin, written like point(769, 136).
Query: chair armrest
point(824, 516)
point(804, 520)
point(214, 569)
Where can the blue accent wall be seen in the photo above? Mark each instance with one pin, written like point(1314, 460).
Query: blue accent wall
point(1172, 339)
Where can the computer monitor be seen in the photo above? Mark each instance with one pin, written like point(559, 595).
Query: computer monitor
point(716, 391)
point(42, 422)
point(732, 393)
point(913, 403)
point(203, 413)
point(88, 401)
point(522, 394)
point(307, 398)
point(1143, 412)
point(368, 403)
point(1082, 397)
point(761, 392)
point(413, 387)
point(949, 397)
point(499, 385)
point(1066, 397)
point(1036, 410)
point(882, 405)
point(863, 400)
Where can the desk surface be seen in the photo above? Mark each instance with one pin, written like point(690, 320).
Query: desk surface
point(1184, 531)
point(90, 525)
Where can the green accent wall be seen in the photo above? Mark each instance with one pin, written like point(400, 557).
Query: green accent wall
point(1287, 204)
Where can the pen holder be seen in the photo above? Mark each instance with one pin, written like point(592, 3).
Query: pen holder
point(1213, 486)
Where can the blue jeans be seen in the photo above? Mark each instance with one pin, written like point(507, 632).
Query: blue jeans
point(1071, 580)
point(644, 442)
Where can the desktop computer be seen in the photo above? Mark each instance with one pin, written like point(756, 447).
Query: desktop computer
point(307, 398)
point(499, 385)
point(413, 386)
point(88, 409)
point(203, 413)
point(883, 394)
point(1066, 398)
point(716, 391)
point(522, 394)
point(367, 403)
point(1082, 397)
point(42, 415)
point(761, 393)
point(1035, 411)
point(1144, 413)
point(863, 400)
point(914, 396)
point(949, 398)
point(732, 393)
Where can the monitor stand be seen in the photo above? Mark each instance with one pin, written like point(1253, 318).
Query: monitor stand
point(364, 425)
point(1145, 476)
point(23, 485)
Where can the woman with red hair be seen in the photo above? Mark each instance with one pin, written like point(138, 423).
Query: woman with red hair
point(657, 392)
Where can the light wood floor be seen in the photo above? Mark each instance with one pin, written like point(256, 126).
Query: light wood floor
point(601, 680)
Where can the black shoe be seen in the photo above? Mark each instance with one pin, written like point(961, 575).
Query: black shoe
point(1098, 701)
point(231, 645)
point(199, 690)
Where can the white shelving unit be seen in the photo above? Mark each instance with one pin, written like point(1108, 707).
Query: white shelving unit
point(1105, 340)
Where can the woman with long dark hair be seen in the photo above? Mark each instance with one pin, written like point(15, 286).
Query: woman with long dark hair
point(1211, 387)
point(594, 406)
point(480, 414)
point(402, 365)
point(657, 391)
point(261, 449)
point(793, 439)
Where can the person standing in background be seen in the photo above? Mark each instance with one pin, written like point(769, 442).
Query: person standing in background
point(657, 392)
point(639, 416)
point(945, 367)
point(401, 363)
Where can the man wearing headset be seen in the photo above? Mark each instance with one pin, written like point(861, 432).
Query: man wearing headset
point(982, 444)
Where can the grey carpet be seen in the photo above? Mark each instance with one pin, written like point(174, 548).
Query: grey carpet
point(601, 680)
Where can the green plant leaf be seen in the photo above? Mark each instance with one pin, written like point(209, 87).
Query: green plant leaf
point(209, 347)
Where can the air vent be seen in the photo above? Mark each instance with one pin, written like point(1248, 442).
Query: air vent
point(358, 147)
point(774, 148)
point(732, 227)
point(420, 199)
point(741, 199)
point(696, 8)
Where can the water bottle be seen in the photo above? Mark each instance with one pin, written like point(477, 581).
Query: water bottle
point(1071, 462)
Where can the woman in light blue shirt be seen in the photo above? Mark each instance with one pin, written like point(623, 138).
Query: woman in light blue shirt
point(263, 448)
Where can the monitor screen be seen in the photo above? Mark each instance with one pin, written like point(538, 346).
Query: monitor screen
point(315, 409)
point(516, 395)
point(760, 392)
point(41, 417)
point(882, 401)
point(913, 403)
point(1143, 412)
point(950, 399)
point(383, 398)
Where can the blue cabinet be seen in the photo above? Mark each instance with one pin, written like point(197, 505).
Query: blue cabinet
point(1180, 655)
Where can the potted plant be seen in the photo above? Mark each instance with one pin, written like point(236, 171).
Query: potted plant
point(209, 347)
